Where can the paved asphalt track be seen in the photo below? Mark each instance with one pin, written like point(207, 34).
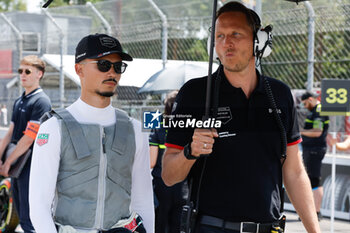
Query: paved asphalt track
point(293, 225)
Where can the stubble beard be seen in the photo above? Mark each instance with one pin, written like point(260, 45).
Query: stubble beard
point(237, 67)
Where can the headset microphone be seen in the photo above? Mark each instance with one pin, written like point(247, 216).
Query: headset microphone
point(263, 42)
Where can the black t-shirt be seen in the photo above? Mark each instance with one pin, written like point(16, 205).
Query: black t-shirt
point(157, 138)
point(315, 121)
point(242, 177)
point(28, 108)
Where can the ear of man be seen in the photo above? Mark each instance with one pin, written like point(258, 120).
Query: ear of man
point(41, 74)
point(78, 69)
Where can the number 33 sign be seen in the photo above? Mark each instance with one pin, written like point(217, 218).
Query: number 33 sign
point(335, 97)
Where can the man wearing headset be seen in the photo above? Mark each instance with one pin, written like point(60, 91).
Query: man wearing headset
point(90, 171)
point(237, 188)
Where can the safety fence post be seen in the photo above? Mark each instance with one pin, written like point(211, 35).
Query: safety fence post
point(164, 32)
point(61, 36)
point(105, 23)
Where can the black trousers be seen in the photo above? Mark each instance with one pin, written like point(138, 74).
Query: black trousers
point(20, 191)
point(209, 229)
point(168, 212)
point(313, 162)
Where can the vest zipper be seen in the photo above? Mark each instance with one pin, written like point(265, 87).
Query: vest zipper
point(101, 192)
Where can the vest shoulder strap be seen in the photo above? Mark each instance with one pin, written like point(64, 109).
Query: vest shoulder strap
point(75, 132)
point(123, 125)
point(46, 116)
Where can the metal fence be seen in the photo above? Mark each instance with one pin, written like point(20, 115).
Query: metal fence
point(138, 25)
point(288, 61)
point(141, 28)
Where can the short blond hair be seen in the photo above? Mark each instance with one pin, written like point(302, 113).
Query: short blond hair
point(33, 60)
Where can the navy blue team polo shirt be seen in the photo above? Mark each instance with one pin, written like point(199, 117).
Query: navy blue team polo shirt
point(28, 108)
point(243, 176)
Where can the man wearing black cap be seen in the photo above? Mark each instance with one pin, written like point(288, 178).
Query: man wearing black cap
point(314, 145)
point(90, 170)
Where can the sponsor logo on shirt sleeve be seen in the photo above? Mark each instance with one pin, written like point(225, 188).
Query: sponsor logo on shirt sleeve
point(42, 139)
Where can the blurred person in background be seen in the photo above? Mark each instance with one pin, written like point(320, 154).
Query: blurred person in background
point(170, 199)
point(3, 114)
point(341, 146)
point(22, 131)
point(314, 145)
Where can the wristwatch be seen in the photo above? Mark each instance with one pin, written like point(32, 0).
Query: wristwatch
point(188, 152)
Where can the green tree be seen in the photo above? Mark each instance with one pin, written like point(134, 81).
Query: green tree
point(12, 5)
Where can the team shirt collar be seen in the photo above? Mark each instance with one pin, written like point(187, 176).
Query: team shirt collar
point(34, 92)
point(259, 88)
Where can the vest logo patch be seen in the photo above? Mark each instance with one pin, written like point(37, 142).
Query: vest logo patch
point(42, 139)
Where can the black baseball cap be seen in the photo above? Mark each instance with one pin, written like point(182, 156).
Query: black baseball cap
point(99, 45)
point(309, 94)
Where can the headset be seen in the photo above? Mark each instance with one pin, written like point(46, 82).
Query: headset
point(262, 38)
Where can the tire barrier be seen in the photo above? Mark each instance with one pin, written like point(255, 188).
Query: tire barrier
point(8, 215)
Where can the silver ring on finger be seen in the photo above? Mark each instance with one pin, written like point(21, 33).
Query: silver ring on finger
point(205, 145)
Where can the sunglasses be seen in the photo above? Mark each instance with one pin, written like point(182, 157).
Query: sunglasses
point(105, 65)
point(27, 71)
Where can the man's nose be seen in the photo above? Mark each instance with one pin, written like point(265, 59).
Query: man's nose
point(228, 41)
point(112, 74)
